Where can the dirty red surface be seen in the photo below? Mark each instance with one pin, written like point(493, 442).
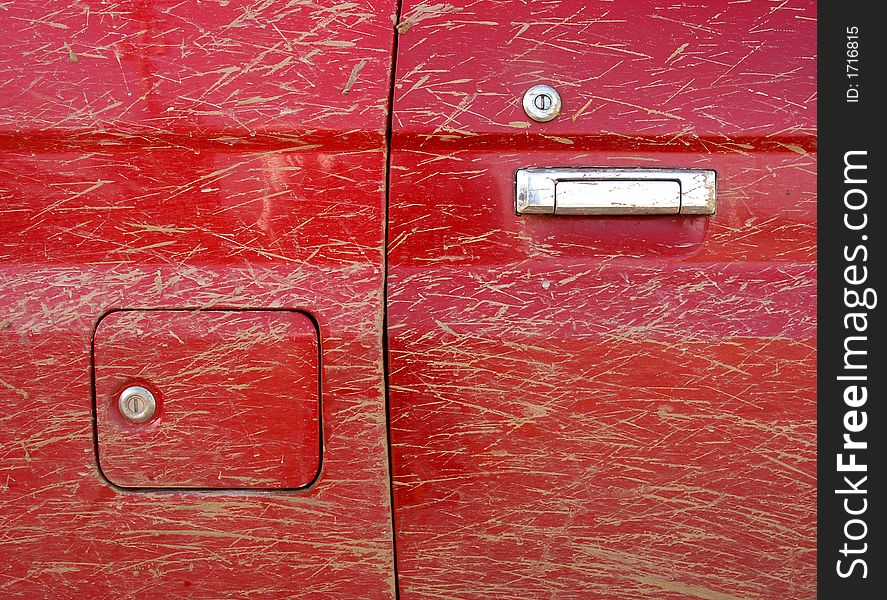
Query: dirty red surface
point(604, 407)
point(167, 155)
point(237, 393)
point(579, 407)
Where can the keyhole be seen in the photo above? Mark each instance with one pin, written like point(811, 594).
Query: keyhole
point(542, 102)
point(136, 404)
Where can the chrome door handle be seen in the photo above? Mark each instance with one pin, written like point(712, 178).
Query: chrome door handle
point(601, 191)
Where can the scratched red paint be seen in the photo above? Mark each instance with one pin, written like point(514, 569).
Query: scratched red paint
point(167, 155)
point(604, 407)
point(238, 399)
point(580, 408)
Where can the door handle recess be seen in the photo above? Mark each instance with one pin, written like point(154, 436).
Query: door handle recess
point(597, 191)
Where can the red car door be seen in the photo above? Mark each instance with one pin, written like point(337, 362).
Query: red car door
point(192, 253)
point(192, 209)
point(603, 407)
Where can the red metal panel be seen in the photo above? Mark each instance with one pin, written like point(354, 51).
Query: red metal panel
point(144, 70)
point(604, 407)
point(110, 200)
point(237, 399)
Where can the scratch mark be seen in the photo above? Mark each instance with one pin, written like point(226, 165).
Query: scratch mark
point(71, 56)
point(677, 52)
point(353, 77)
point(17, 390)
